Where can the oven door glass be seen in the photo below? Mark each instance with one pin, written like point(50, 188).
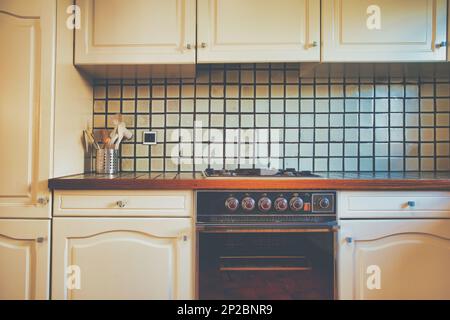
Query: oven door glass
point(267, 265)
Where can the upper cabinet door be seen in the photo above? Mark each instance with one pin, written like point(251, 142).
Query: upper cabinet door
point(135, 32)
point(383, 30)
point(27, 52)
point(258, 31)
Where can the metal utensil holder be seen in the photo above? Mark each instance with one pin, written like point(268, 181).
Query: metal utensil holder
point(107, 161)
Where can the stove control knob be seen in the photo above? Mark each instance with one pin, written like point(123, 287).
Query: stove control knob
point(248, 204)
point(232, 204)
point(264, 204)
point(296, 204)
point(324, 203)
point(281, 204)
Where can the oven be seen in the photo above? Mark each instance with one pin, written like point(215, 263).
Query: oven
point(266, 245)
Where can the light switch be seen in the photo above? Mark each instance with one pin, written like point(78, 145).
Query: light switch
point(149, 137)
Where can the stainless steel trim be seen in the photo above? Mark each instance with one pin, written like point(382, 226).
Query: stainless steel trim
point(273, 228)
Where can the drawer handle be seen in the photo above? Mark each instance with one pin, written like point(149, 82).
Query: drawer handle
point(40, 239)
point(121, 204)
point(411, 204)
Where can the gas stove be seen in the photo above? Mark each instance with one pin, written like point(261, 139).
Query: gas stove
point(259, 172)
point(252, 243)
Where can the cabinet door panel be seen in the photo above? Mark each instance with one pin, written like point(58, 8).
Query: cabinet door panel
point(26, 60)
point(409, 258)
point(404, 30)
point(135, 32)
point(123, 258)
point(24, 261)
point(258, 31)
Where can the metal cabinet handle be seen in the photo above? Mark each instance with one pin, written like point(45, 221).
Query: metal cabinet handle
point(441, 44)
point(189, 46)
point(411, 204)
point(185, 238)
point(314, 44)
point(40, 239)
point(121, 204)
point(348, 240)
point(203, 45)
point(42, 201)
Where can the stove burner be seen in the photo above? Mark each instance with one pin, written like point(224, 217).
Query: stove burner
point(290, 172)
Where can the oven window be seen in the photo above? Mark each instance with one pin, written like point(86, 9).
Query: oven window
point(266, 266)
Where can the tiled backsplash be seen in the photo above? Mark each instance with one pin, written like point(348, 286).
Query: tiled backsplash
point(266, 116)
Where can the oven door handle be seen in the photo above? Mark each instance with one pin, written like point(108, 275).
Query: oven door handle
point(319, 228)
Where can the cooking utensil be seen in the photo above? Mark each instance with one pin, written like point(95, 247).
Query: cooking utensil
point(122, 132)
point(86, 141)
point(106, 140)
point(116, 120)
point(89, 140)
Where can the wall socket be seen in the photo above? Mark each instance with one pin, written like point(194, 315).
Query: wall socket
point(149, 137)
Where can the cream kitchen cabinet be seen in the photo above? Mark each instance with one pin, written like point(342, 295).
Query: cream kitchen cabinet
point(394, 259)
point(24, 259)
point(395, 246)
point(384, 30)
point(123, 245)
point(122, 258)
point(258, 31)
point(122, 32)
point(27, 54)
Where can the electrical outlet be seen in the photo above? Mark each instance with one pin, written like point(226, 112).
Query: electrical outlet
point(149, 137)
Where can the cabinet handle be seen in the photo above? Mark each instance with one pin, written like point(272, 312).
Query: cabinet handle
point(314, 44)
point(348, 240)
point(203, 45)
point(411, 204)
point(40, 239)
point(121, 204)
point(189, 46)
point(185, 238)
point(441, 44)
point(42, 201)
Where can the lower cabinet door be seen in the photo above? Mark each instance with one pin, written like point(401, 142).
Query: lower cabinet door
point(394, 259)
point(24, 259)
point(122, 258)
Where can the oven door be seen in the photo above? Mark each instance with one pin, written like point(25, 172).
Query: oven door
point(254, 263)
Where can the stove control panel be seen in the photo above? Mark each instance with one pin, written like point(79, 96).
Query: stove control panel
point(265, 203)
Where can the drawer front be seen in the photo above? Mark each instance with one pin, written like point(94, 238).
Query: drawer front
point(124, 203)
point(394, 205)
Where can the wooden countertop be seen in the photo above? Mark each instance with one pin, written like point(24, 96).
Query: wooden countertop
point(329, 180)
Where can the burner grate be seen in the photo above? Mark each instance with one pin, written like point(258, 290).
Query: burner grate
point(258, 173)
